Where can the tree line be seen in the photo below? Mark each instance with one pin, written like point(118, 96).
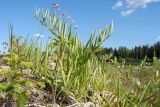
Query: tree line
point(136, 53)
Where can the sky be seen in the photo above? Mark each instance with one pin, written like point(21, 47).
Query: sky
point(136, 22)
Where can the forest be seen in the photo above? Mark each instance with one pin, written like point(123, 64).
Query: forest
point(136, 54)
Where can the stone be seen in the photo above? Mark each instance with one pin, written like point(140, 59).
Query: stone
point(89, 104)
point(53, 105)
point(4, 67)
point(76, 105)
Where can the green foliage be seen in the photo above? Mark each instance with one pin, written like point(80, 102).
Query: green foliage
point(26, 64)
point(78, 70)
point(134, 55)
point(21, 100)
point(72, 69)
point(156, 63)
point(15, 82)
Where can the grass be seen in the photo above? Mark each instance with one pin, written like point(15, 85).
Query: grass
point(77, 71)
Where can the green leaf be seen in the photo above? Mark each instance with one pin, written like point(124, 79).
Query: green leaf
point(6, 59)
point(21, 100)
point(26, 64)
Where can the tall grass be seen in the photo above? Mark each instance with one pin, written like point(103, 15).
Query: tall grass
point(70, 69)
point(74, 69)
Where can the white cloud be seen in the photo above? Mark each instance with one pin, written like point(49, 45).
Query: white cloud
point(118, 4)
point(139, 3)
point(38, 35)
point(127, 12)
point(132, 5)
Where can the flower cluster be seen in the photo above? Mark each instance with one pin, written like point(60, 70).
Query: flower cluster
point(65, 14)
point(55, 6)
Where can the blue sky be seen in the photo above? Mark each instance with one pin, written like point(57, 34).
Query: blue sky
point(136, 22)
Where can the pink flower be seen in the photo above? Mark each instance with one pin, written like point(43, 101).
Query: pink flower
point(55, 6)
point(69, 17)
